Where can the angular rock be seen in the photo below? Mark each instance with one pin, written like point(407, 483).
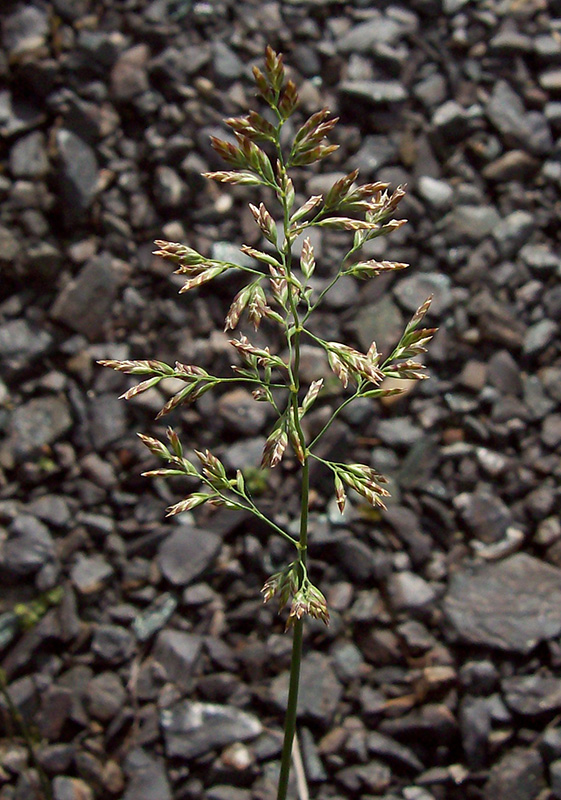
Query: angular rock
point(71, 789)
point(28, 547)
point(105, 696)
point(507, 113)
point(409, 592)
point(364, 37)
point(240, 412)
point(37, 423)
point(28, 156)
point(178, 653)
point(192, 729)
point(78, 175)
point(517, 776)
point(128, 76)
point(532, 695)
point(21, 342)
point(147, 777)
point(374, 93)
point(187, 553)
point(320, 690)
point(485, 514)
point(84, 303)
point(414, 290)
point(509, 606)
point(25, 29)
point(113, 644)
point(90, 573)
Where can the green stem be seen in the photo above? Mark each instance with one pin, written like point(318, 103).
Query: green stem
point(296, 660)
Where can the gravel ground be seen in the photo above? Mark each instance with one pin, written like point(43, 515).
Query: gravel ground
point(138, 650)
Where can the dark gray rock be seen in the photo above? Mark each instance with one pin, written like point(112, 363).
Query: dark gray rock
point(21, 342)
point(28, 156)
point(29, 546)
point(475, 728)
point(170, 190)
point(78, 175)
point(504, 373)
point(550, 744)
point(510, 606)
point(193, 729)
point(51, 508)
point(399, 432)
point(391, 751)
point(179, 654)
point(105, 696)
point(240, 413)
point(373, 154)
point(507, 113)
point(513, 231)
point(436, 193)
point(226, 64)
point(113, 644)
point(555, 778)
point(372, 777)
point(152, 619)
point(147, 777)
point(485, 514)
point(320, 690)
point(374, 92)
point(37, 423)
point(108, 420)
point(380, 322)
point(551, 431)
point(89, 574)
point(17, 116)
point(187, 553)
point(517, 776)
point(531, 695)
point(84, 303)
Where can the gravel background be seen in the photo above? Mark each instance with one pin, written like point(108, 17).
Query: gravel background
point(138, 650)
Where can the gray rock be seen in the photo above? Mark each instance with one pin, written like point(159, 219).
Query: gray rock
point(399, 432)
point(192, 729)
point(51, 508)
point(21, 342)
point(17, 116)
point(390, 750)
point(531, 695)
point(372, 777)
point(550, 80)
point(551, 380)
point(9, 247)
point(129, 77)
point(90, 573)
point(514, 165)
point(28, 547)
point(226, 64)
point(71, 789)
point(84, 303)
point(380, 322)
point(506, 111)
point(37, 423)
point(412, 291)
point(409, 592)
point(170, 190)
point(539, 336)
point(179, 654)
point(364, 37)
point(28, 156)
point(517, 776)
point(147, 777)
point(108, 420)
point(25, 29)
point(513, 231)
point(469, 224)
point(373, 154)
point(152, 619)
point(475, 727)
point(105, 696)
point(504, 373)
point(187, 553)
point(320, 690)
point(510, 606)
point(485, 514)
point(540, 258)
point(375, 92)
point(113, 644)
point(240, 412)
point(555, 778)
point(436, 193)
point(551, 431)
point(78, 175)
point(452, 122)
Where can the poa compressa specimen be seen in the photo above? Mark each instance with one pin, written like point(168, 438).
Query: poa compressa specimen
point(278, 291)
